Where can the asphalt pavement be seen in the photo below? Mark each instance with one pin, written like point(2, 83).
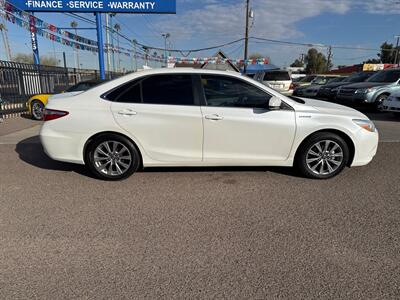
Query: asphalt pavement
point(234, 233)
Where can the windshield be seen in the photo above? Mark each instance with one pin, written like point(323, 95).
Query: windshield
point(385, 76)
point(339, 79)
point(319, 80)
point(308, 78)
point(276, 76)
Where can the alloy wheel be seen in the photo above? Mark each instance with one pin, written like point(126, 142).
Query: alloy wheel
point(37, 110)
point(324, 157)
point(112, 158)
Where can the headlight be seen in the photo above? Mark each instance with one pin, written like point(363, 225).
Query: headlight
point(366, 124)
point(365, 91)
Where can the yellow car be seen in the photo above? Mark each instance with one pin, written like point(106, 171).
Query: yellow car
point(37, 103)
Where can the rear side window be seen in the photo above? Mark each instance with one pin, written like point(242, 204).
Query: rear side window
point(168, 89)
point(157, 89)
point(276, 76)
point(127, 93)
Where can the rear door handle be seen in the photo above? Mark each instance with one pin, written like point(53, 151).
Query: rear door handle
point(127, 112)
point(214, 117)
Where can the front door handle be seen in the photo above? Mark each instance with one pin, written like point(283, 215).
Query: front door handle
point(127, 112)
point(214, 117)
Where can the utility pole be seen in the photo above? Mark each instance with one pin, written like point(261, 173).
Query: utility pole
point(135, 54)
point(397, 49)
point(166, 36)
point(108, 42)
point(246, 35)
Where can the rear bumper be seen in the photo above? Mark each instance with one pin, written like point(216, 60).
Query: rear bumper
point(66, 147)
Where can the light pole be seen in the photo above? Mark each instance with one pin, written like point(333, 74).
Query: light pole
point(75, 25)
point(166, 36)
point(246, 35)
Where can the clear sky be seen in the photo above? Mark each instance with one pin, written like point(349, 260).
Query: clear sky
point(203, 23)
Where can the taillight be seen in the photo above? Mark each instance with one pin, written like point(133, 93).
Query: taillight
point(291, 87)
point(52, 114)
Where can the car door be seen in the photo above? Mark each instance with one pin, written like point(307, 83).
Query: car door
point(161, 113)
point(238, 126)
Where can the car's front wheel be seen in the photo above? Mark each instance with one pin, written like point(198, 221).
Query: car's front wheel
point(112, 157)
point(322, 156)
point(37, 108)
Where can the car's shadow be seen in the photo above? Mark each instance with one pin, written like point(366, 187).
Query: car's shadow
point(31, 151)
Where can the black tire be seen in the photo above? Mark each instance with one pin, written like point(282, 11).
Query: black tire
point(37, 108)
point(309, 143)
point(379, 102)
point(96, 167)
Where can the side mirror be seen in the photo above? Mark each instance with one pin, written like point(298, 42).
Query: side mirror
point(275, 103)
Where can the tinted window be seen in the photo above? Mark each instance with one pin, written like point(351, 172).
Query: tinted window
point(129, 93)
point(231, 92)
point(168, 89)
point(385, 76)
point(276, 76)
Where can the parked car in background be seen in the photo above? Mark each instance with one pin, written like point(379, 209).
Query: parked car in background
point(280, 81)
point(312, 90)
point(196, 117)
point(392, 104)
point(373, 91)
point(329, 90)
point(37, 103)
point(304, 81)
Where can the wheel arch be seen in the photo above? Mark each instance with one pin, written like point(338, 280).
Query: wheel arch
point(93, 137)
point(340, 133)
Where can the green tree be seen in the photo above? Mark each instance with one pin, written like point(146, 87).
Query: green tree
point(316, 62)
point(387, 53)
point(297, 64)
point(28, 59)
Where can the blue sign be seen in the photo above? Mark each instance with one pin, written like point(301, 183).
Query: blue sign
point(117, 6)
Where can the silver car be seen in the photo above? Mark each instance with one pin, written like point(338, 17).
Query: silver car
point(373, 91)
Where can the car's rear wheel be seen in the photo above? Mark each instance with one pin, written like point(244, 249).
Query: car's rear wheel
point(379, 103)
point(112, 157)
point(322, 156)
point(37, 108)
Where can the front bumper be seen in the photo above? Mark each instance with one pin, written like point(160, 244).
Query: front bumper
point(366, 146)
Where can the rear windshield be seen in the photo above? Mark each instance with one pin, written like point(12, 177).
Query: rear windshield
point(276, 76)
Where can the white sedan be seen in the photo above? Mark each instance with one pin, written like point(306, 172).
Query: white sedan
point(187, 117)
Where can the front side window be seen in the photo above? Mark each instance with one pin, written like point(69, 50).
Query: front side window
point(231, 92)
point(168, 89)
